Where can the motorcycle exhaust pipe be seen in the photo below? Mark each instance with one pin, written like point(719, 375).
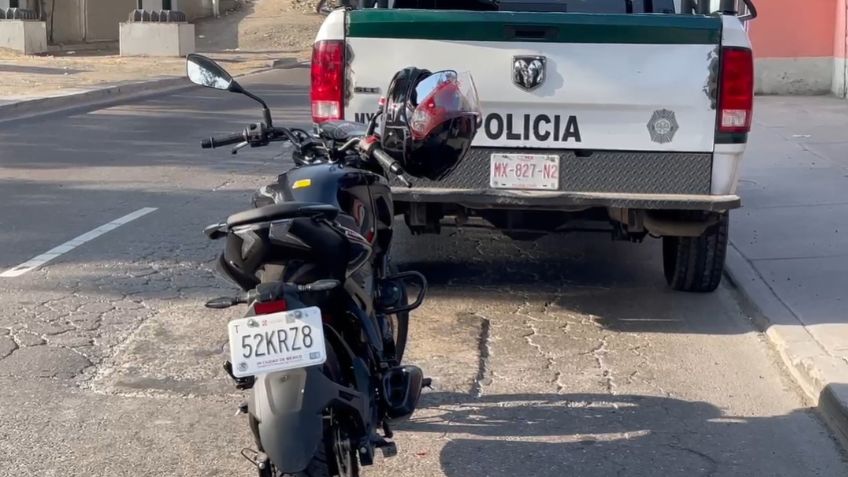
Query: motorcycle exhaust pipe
point(402, 390)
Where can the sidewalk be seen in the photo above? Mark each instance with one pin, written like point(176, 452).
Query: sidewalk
point(789, 242)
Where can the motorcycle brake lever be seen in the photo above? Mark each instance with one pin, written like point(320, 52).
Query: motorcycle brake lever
point(239, 147)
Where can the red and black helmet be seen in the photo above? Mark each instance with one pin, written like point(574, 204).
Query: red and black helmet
point(429, 120)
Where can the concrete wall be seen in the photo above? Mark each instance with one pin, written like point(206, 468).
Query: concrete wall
point(156, 39)
point(77, 21)
point(27, 37)
point(797, 46)
point(812, 75)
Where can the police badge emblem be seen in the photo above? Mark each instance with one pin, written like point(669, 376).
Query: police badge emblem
point(662, 126)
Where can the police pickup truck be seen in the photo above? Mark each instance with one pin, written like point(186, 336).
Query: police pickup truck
point(629, 114)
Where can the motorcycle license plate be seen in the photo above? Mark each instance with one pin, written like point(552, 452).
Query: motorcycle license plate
point(524, 171)
point(277, 342)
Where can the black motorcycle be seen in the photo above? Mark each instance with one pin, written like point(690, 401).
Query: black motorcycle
point(319, 350)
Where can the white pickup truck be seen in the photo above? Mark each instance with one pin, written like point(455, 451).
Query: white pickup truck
point(632, 114)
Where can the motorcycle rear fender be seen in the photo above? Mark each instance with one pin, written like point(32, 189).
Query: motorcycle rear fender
point(288, 407)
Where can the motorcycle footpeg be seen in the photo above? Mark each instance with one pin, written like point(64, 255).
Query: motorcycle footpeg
point(259, 459)
point(388, 448)
point(401, 390)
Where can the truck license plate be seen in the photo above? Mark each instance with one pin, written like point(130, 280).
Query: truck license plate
point(524, 171)
point(277, 342)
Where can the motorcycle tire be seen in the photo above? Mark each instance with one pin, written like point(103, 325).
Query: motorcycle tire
point(337, 457)
point(400, 323)
point(342, 461)
point(321, 466)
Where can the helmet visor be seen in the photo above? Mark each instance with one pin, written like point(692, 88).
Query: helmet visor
point(441, 97)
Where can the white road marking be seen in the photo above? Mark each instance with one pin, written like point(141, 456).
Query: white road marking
point(66, 247)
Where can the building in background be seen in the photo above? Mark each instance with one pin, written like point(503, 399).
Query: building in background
point(800, 46)
point(83, 21)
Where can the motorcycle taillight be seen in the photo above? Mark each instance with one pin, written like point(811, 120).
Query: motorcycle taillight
point(268, 307)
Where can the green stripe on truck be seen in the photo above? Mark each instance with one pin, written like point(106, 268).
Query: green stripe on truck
point(534, 27)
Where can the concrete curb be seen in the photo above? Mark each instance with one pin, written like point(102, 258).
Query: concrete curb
point(87, 100)
point(111, 95)
point(822, 377)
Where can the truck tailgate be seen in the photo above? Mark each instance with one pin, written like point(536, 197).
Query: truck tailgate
point(553, 80)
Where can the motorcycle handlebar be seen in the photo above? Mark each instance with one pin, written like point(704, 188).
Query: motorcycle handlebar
point(213, 142)
point(388, 163)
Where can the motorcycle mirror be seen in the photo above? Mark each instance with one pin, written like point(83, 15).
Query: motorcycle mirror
point(205, 72)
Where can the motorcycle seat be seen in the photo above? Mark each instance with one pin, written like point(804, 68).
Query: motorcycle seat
point(285, 210)
point(341, 130)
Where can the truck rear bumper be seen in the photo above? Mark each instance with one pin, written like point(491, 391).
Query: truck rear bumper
point(543, 200)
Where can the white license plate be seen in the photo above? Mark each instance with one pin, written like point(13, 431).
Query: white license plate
point(524, 171)
point(277, 342)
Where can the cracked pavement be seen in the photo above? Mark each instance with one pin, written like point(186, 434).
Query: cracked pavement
point(564, 356)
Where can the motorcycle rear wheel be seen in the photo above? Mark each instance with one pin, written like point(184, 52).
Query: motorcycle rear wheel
point(336, 458)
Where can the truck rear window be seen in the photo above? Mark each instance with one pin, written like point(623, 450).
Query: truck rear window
point(589, 6)
point(563, 6)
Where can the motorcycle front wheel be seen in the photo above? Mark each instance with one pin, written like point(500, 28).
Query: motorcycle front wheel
point(399, 323)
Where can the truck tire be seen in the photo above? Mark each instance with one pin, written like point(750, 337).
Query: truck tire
point(695, 264)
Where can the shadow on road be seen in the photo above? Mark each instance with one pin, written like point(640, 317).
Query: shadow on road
point(620, 285)
point(591, 434)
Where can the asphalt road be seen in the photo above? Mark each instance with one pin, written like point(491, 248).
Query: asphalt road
point(566, 356)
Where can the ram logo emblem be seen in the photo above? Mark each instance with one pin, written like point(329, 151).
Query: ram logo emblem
point(528, 72)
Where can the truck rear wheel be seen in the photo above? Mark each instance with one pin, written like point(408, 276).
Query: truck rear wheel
point(695, 264)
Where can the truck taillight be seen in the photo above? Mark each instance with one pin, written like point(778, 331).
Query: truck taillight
point(327, 80)
point(736, 90)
